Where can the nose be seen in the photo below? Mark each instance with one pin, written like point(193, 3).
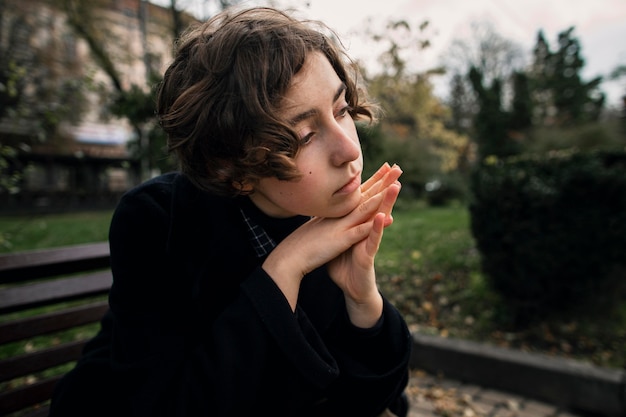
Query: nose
point(345, 144)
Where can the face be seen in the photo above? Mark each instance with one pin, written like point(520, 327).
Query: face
point(329, 159)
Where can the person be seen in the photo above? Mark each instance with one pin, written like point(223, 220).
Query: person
point(244, 284)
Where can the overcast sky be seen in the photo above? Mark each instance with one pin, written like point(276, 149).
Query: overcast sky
point(600, 25)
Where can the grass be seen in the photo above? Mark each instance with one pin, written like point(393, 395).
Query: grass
point(19, 233)
point(428, 266)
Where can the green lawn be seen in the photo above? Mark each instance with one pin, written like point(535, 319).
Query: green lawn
point(45, 231)
point(428, 267)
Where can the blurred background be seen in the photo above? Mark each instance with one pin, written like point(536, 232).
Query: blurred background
point(507, 117)
point(77, 81)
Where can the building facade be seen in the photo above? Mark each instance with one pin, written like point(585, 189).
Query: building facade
point(63, 63)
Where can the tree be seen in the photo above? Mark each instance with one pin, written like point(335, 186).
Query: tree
point(499, 131)
point(618, 73)
point(490, 121)
point(134, 102)
point(414, 129)
point(462, 105)
point(482, 68)
point(522, 106)
point(40, 87)
point(561, 96)
point(493, 55)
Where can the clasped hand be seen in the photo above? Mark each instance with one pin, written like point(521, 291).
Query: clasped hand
point(347, 245)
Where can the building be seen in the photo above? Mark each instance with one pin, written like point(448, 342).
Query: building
point(60, 144)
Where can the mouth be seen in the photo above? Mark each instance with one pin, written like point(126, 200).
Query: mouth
point(351, 186)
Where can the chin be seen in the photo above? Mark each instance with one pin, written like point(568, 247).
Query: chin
point(346, 208)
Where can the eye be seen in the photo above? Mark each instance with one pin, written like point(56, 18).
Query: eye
point(343, 112)
point(306, 139)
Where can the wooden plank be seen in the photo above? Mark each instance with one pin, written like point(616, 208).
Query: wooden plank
point(29, 265)
point(22, 297)
point(26, 396)
point(52, 322)
point(30, 363)
point(41, 411)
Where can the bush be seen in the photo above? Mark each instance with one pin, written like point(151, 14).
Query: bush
point(551, 230)
point(446, 188)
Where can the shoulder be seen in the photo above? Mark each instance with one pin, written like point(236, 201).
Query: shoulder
point(157, 187)
point(172, 205)
point(162, 193)
point(151, 204)
point(144, 208)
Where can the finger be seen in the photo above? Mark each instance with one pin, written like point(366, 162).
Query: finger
point(376, 235)
point(385, 181)
point(391, 177)
point(378, 175)
point(358, 222)
point(389, 200)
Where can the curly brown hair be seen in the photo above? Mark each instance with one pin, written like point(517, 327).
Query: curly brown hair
point(220, 99)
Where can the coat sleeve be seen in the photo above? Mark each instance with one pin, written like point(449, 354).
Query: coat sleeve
point(373, 363)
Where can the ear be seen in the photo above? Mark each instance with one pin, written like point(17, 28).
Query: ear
point(244, 187)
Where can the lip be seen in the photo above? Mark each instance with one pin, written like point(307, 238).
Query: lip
point(351, 186)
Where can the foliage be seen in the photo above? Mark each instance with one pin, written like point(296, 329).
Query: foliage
point(9, 176)
point(494, 126)
point(561, 96)
point(504, 106)
point(36, 94)
point(606, 135)
point(414, 129)
point(551, 229)
point(11, 81)
point(136, 102)
point(447, 188)
point(428, 266)
point(33, 86)
point(492, 56)
point(618, 73)
point(138, 105)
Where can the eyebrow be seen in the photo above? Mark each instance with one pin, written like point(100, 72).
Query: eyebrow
point(312, 112)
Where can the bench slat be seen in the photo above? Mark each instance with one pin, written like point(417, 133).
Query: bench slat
point(42, 411)
point(35, 264)
point(52, 322)
point(29, 363)
point(28, 395)
point(54, 276)
point(43, 293)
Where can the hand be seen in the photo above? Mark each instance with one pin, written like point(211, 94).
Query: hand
point(353, 270)
point(382, 179)
point(348, 244)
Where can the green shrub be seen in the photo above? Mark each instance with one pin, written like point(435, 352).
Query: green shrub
point(446, 188)
point(551, 230)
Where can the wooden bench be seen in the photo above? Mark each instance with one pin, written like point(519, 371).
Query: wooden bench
point(45, 298)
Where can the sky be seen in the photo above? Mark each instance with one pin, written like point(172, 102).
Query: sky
point(600, 26)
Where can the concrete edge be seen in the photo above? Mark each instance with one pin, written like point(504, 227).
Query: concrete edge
point(563, 382)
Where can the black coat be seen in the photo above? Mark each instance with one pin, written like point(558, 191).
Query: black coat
point(197, 328)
